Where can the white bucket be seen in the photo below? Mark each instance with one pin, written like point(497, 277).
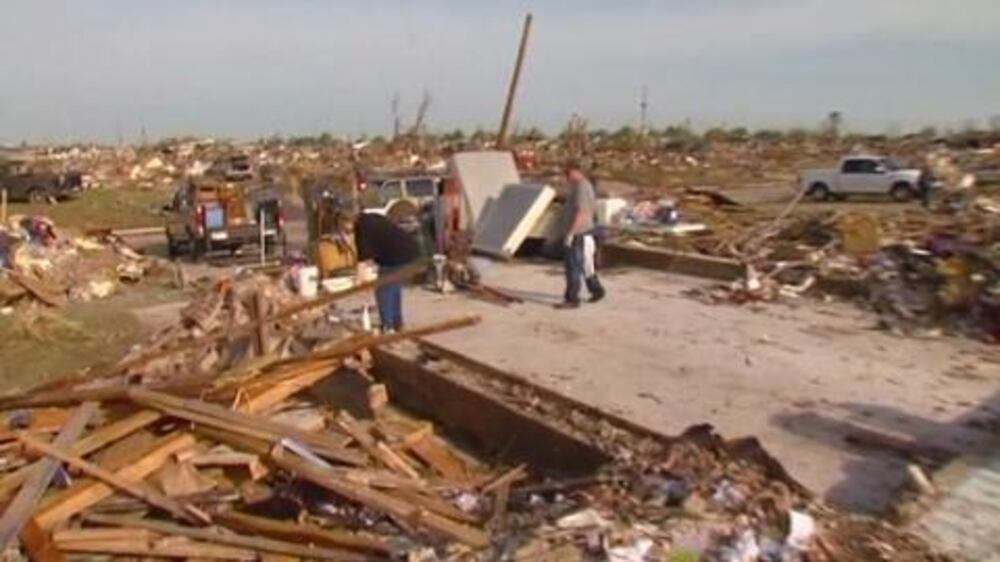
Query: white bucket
point(307, 281)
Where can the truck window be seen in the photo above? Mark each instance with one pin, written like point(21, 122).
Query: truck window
point(860, 166)
point(420, 188)
point(392, 189)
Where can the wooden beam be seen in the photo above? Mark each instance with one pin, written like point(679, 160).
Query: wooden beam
point(19, 510)
point(385, 503)
point(217, 416)
point(357, 492)
point(37, 544)
point(230, 539)
point(301, 532)
point(91, 442)
point(350, 346)
point(86, 493)
point(165, 547)
point(134, 488)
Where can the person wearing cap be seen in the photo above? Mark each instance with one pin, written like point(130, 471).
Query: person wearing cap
point(382, 243)
point(579, 240)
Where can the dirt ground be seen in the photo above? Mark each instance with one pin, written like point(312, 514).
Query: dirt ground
point(792, 375)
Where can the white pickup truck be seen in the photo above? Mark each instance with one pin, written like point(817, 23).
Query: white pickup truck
point(861, 175)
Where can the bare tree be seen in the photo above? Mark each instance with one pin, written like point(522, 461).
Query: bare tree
point(418, 123)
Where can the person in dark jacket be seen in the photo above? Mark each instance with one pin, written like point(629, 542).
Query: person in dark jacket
point(382, 243)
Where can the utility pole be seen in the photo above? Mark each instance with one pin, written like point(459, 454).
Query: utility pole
point(643, 107)
point(395, 115)
point(509, 105)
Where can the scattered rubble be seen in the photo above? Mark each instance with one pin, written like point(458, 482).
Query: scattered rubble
point(42, 263)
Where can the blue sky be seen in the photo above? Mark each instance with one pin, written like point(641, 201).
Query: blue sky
point(73, 70)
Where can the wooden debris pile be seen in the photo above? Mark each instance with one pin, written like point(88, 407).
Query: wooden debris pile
point(229, 464)
point(42, 263)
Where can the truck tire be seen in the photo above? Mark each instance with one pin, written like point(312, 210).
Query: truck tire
point(901, 192)
point(819, 191)
point(171, 247)
point(197, 249)
point(36, 195)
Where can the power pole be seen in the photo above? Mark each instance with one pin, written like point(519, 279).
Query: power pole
point(395, 114)
point(643, 107)
point(509, 105)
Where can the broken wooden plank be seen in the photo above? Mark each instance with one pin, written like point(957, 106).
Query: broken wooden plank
point(89, 443)
point(373, 447)
point(350, 346)
point(20, 509)
point(42, 420)
point(86, 493)
point(299, 532)
point(134, 488)
point(217, 416)
point(899, 444)
point(354, 491)
point(229, 538)
point(428, 448)
point(37, 544)
point(513, 475)
point(162, 548)
point(385, 503)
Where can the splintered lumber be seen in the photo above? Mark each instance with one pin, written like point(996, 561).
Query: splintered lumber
point(396, 508)
point(37, 543)
point(373, 447)
point(904, 446)
point(356, 343)
point(300, 532)
point(219, 417)
point(166, 547)
point(506, 479)
point(426, 447)
point(265, 396)
point(221, 333)
point(21, 507)
point(84, 494)
point(228, 538)
point(137, 489)
point(188, 385)
point(47, 420)
point(93, 441)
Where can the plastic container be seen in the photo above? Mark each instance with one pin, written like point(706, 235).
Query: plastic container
point(307, 281)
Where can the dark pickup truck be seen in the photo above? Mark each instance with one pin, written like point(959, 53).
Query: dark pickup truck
point(24, 184)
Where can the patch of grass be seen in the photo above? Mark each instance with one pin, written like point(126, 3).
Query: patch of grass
point(43, 344)
point(102, 208)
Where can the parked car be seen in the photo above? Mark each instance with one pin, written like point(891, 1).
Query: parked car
point(207, 216)
point(24, 184)
point(236, 167)
point(861, 175)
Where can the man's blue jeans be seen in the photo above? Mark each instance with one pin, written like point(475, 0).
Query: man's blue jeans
point(389, 298)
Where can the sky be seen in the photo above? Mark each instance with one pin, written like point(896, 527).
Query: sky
point(108, 69)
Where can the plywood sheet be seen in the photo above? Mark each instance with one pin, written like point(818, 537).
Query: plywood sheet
point(482, 175)
point(511, 219)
